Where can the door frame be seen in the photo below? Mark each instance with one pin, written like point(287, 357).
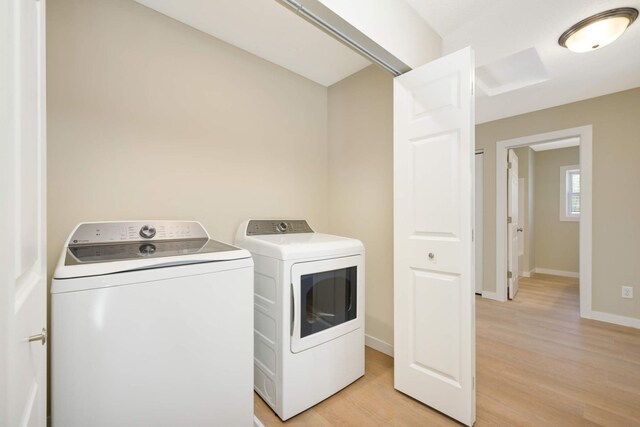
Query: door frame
point(585, 134)
point(24, 38)
point(513, 262)
point(479, 223)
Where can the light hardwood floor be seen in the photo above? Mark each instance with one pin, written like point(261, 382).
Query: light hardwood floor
point(538, 364)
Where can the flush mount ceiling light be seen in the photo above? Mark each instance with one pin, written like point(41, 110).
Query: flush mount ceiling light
point(598, 30)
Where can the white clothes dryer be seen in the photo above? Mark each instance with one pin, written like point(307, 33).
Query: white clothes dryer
point(151, 325)
point(309, 312)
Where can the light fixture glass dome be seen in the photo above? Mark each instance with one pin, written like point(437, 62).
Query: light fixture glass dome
point(598, 30)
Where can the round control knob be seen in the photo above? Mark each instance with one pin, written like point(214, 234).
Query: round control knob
point(147, 231)
point(282, 227)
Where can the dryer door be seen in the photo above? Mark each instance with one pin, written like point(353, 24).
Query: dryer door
point(327, 300)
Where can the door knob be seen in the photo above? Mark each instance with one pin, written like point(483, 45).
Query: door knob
point(431, 255)
point(40, 337)
point(520, 229)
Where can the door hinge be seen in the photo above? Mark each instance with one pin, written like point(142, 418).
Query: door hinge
point(509, 275)
point(509, 220)
point(508, 165)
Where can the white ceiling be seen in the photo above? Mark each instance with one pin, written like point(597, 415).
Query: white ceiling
point(268, 30)
point(499, 31)
point(500, 28)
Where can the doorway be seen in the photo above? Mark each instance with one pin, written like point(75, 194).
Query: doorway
point(544, 187)
point(584, 134)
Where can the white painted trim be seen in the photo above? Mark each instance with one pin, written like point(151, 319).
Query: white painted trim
point(529, 273)
point(378, 344)
point(554, 145)
point(557, 272)
point(586, 219)
point(257, 422)
point(478, 224)
point(586, 160)
point(490, 295)
point(615, 318)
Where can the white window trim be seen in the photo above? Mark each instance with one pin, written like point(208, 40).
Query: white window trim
point(563, 194)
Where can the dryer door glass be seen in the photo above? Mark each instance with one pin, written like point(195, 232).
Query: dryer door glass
point(328, 299)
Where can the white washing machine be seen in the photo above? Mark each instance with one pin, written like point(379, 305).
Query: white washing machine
point(151, 326)
point(309, 312)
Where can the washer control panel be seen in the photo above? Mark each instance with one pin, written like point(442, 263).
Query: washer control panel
point(277, 226)
point(136, 231)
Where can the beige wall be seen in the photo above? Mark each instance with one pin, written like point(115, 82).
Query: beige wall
point(557, 243)
point(361, 183)
point(616, 177)
point(360, 140)
point(148, 118)
point(151, 119)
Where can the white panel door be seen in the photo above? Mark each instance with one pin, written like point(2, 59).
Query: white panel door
point(479, 229)
point(521, 195)
point(434, 301)
point(512, 224)
point(22, 224)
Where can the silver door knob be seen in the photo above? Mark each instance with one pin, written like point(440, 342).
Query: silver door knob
point(520, 229)
point(40, 337)
point(431, 255)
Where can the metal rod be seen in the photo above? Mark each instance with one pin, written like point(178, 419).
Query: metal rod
point(341, 36)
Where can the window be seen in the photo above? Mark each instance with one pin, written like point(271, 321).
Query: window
point(570, 193)
point(329, 298)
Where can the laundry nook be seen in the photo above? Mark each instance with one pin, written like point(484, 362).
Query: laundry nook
point(257, 213)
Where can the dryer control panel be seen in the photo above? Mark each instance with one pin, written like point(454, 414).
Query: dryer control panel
point(91, 233)
point(277, 226)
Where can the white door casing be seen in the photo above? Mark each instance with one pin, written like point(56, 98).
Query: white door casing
point(434, 300)
point(585, 133)
point(23, 223)
point(479, 218)
point(512, 223)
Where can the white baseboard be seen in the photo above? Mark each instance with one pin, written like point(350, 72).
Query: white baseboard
point(528, 273)
point(490, 295)
point(615, 319)
point(556, 272)
point(376, 344)
point(257, 422)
